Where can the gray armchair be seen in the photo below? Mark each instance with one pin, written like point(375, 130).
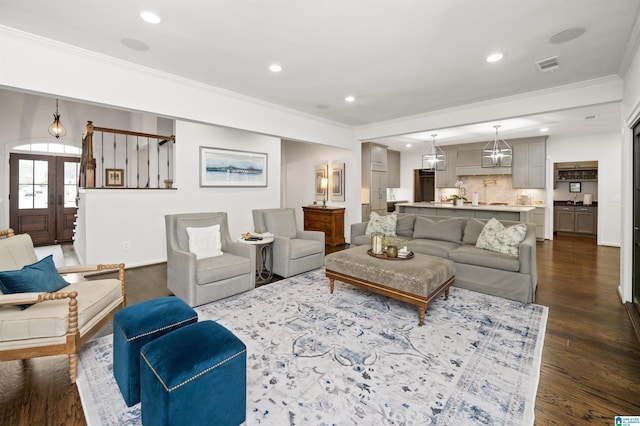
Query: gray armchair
point(200, 281)
point(294, 251)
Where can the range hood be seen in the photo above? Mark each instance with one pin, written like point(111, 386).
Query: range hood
point(478, 170)
point(469, 163)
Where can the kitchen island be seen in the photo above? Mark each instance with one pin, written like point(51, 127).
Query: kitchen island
point(502, 212)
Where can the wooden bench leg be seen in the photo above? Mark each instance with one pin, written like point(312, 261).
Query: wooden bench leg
point(446, 293)
point(421, 312)
point(331, 285)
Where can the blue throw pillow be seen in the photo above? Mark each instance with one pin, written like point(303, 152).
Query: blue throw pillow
point(38, 277)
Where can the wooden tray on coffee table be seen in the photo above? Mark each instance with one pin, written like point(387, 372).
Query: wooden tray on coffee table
point(385, 257)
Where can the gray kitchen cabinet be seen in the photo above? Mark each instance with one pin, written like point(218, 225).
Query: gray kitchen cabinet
point(498, 215)
point(576, 219)
point(529, 164)
point(378, 187)
point(393, 167)
point(538, 219)
point(378, 153)
point(563, 219)
point(374, 175)
point(585, 220)
point(447, 178)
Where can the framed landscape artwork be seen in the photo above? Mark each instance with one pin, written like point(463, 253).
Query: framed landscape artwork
point(227, 167)
point(336, 182)
point(321, 173)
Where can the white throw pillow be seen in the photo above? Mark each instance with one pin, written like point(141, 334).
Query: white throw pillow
point(382, 223)
point(496, 237)
point(205, 241)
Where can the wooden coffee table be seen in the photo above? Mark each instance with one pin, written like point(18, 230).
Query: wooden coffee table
point(418, 280)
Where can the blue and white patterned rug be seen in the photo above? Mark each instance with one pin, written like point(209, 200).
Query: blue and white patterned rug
point(357, 358)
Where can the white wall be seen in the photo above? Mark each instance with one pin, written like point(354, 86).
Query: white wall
point(25, 118)
point(606, 148)
point(112, 218)
point(299, 161)
point(630, 116)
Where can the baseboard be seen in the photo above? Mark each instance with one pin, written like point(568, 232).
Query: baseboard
point(634, 316)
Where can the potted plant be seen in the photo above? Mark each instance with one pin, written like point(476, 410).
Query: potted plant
point(457, 200)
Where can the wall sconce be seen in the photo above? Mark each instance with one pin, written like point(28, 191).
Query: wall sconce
point(56, 129)
point(324, 183)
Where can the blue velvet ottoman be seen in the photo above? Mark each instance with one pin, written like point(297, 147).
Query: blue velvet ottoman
point(196, 375)
point(137, 325)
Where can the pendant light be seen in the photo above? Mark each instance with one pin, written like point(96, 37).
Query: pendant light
point(497, 153)
point(435, 159)
point(57, 129)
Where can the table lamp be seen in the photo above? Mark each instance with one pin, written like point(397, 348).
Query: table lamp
point(323, 184)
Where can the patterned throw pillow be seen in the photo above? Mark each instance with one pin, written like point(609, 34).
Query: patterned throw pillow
point(382, 223)
point(496, 237)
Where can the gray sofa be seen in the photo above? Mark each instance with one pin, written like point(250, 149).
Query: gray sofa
point(476, 269)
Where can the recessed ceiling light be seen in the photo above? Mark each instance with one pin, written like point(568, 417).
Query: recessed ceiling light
point(134, 44)
point(494, 57)
point(350, 98)
point(275, 68)
point(408, 145)
point(544, 130)
point(150, 17)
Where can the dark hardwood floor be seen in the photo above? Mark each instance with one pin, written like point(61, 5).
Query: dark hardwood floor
point(590, 363)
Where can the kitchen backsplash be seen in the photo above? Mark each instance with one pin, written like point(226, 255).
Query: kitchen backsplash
point(494, 189)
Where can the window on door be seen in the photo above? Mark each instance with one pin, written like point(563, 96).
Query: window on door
point(42, 197)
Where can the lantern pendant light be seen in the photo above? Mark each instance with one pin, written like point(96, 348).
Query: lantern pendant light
point(497, 153)
point(56, 128)
point(436, 159)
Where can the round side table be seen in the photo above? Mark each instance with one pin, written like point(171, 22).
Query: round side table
point(264, 259)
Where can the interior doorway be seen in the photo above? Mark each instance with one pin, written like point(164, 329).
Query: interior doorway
point(42, 196)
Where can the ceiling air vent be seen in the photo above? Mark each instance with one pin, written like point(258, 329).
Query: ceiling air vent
point(548, 65)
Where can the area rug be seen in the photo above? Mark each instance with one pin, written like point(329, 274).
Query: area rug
point(357, 358)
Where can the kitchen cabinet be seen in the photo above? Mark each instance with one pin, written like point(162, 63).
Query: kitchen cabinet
point(582, 171)
point(539, 220)
point(374, 175)
point(585, 220)
point(329, 220)
point(529, 164)
point(393, 167)
point(469, 162)
point(576, 219)
point(447, 178)
point(516, 213)
point(378, 192)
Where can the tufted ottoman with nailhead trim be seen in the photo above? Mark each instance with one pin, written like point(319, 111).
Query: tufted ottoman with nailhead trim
point(196, 375)
point(137, 325)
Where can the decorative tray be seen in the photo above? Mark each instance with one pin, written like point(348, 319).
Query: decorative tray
point(384, 256)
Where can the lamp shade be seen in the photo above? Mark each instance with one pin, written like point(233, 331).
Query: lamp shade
point(56, 128)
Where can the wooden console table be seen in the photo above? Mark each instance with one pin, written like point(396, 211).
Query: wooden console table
point(329, 220)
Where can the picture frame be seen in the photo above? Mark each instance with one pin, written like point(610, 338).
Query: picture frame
point(321, 173)
point(575, 186)
point(232, 168)
point(336, 182)
point(114, 177)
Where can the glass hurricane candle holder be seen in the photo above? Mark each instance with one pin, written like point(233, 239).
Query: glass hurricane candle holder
point(376, 242)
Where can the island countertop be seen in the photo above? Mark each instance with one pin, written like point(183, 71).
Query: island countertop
point(501, 212)
point(484, 207)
